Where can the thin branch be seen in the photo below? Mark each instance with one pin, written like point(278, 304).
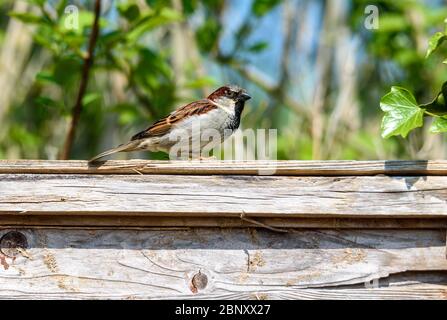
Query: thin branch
point(88, 62)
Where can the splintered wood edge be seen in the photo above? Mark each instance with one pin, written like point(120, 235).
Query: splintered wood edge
point(222, 167)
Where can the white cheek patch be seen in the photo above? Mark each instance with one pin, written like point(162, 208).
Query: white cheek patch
point(225, 104)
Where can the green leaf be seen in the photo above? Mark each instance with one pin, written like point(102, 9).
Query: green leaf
point(208, 34)
point(261, 7)
point(393, 22)
point(402, 113)
point(45, 101)
point(111, 37)
point(67, 71)
point(45, 37)
point(435, 41)
point(40, 3)
point(85, 20)
point(129, 10)
point(258, 47)
point(89, 98)
point(189, 6)
point(23, 136)
point(153, 20)
point(45, 77)
point(438, 106)
point(200, 83)
point(27, 17)
point(439, 125)
point(60, 7)
point(157, 4)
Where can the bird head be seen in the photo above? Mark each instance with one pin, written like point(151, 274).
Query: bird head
point(229, 94)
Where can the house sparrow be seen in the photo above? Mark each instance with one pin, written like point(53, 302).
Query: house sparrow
point(219, 114)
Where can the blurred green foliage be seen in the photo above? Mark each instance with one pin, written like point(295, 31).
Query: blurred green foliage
point(151, 89)
point(142, 71)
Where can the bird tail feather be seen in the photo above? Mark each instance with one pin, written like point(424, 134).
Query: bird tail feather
point(130, 146)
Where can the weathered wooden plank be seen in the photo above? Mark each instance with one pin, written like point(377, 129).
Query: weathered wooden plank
point(240, 263)
point(423, 292)
point(224, 196)
point(288, 168)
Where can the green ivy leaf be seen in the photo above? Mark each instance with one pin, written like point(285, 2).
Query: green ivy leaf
point(402, 113)
point(439, 125)
point(435, 41)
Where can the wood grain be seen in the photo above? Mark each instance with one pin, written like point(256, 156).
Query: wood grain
point(212, 167)
point(224, 196)
point(143, 229)
point(239, 264)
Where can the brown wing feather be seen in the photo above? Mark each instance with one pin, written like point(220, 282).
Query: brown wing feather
point(163, 126)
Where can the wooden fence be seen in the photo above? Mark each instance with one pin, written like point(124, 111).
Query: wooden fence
point(198, 230)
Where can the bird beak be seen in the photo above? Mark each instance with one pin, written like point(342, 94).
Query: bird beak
point(244, 96)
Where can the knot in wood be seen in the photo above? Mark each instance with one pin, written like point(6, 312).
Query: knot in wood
point(12, 242)
point(199, 281)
